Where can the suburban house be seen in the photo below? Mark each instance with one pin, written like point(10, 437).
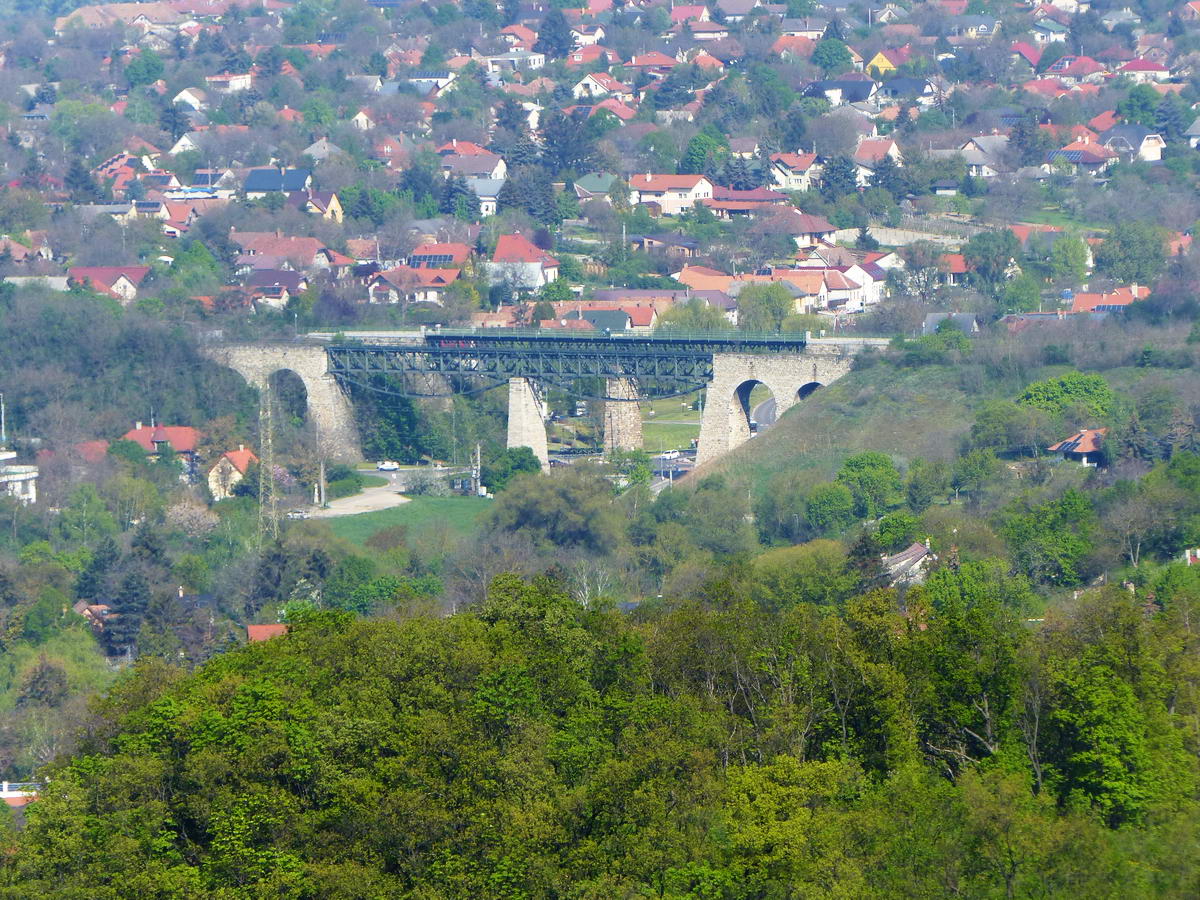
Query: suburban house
point(229, 471)
point(598, 85)
point(1086, 446)
point(273, 180)
point(317, 203)
point(121, 282)
point(670, 195)
point(17, 481)
point(870, 153)
point(910, 565)
point(181, 440)
point(404, 284)
point(1134, 142)
point(520, 263)
point(794, 171)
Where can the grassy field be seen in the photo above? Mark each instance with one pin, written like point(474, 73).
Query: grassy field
point(457, 516)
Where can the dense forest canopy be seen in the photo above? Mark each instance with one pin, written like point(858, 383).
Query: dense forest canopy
point(536, 747)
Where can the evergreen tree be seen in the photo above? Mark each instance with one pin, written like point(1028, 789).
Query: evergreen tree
point(80, 184)
point(92, 583)
point(554, 35)
point(839, 179)
point(126, 612)
point(890, 177)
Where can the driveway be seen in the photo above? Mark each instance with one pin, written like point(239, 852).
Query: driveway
point(370, 500)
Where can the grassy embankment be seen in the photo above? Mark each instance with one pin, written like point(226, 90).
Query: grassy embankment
point(458, 517)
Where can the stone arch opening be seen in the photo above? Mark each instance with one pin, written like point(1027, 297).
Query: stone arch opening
point(752, 400)
point(806, 390)
point(289, 395)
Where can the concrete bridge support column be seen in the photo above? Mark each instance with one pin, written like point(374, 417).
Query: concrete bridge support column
point(526, 418)
point(622, 416)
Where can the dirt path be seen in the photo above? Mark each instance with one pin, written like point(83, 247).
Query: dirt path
point(371, 499)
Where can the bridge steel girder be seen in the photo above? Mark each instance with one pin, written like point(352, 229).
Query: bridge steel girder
point(659, 371)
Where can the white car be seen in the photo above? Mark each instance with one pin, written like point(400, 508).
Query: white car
point(669, 454)
point(388, 465)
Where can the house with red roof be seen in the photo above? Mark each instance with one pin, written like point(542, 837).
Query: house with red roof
point(794, 171)
point(1144, 71)
point(653, 63)
point(404, 284)
point(597, 85)
point(1077, 70)
point(229, 471)
point(592, 54)
point(1109, 301)
point(670, 194)
point(121, 282)
point(521, 263)
point(1085, 446)
point(1026, 52)
point(181, 440)
point(1083, 155)
point(870, 152)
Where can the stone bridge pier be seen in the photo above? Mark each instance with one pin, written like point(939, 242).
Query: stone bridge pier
point(725, 424)
point(329, 408)
point(527, 418)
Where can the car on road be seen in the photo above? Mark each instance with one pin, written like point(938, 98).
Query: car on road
point(669, 454)
point(388, 465)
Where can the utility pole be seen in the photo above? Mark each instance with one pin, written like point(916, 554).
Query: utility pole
point(475, 473)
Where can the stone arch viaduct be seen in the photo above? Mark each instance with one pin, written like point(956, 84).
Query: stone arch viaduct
point(790, 367)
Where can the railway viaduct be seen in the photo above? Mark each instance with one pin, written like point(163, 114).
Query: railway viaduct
point(625, 369)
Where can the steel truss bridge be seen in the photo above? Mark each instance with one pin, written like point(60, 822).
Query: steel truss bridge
point(663, 365)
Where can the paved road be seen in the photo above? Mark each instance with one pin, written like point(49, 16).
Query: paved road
point(370, 500)
point(764, 413)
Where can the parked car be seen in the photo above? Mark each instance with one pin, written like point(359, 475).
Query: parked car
point(388, 465)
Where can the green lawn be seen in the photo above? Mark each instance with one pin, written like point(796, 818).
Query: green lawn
point(659, 436)
point(458, 516)
point(374, 481)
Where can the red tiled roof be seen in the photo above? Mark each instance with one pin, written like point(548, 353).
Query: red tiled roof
point(1089, 440)
point(255, 633)
point(516, 248)
point(797, 162)
point(180, 438)
point(1122, 296)
point(240, 458)
point(659, 183)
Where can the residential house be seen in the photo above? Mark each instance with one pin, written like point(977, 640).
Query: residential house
point(179, 440)
point(256, 633)
point(1047, 31)
point(121, 282)
point(488, 192)
point(870, 153)
point(404, 284)
point(1082, 156)
point(429, 255)
point(1108, 301)
point(794, 171)
point(1144, 71)
point(670, 195)
point(17, 481)
point(317, 203)
point(727, 203)
point(474, 165)
point(597, 85)
point(1085, 446)
point(842, 90)
point(909, 566)
point(520, 263)
point(229, 471)
point(266, 180)
point(1134, 142)
point(984, 155)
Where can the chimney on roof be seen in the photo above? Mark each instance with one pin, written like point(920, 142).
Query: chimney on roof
point(241, 447)
point(137, 426)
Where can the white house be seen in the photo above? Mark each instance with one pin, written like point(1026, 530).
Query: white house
point(672, 194)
